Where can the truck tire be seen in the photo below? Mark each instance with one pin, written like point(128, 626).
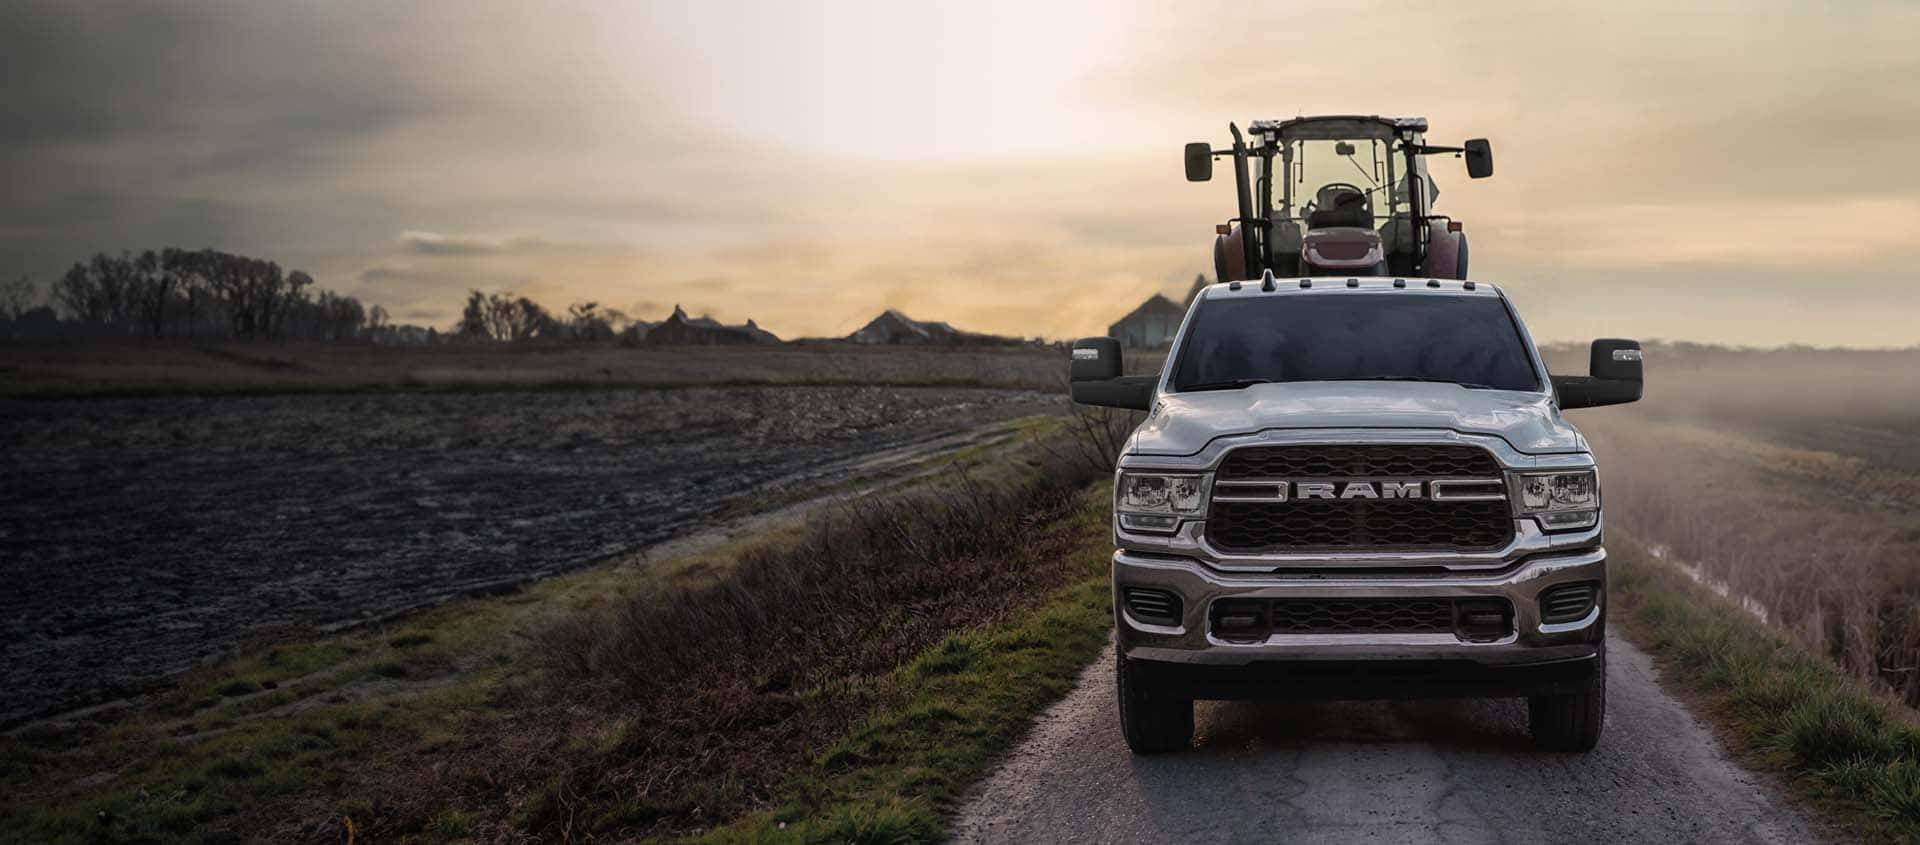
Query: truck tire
point(1571, 722)
point(1152, 723)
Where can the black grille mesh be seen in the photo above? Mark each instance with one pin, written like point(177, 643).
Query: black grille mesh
point(1363, 616)
point(1399, 524)
point(1386, 461)
point(1362, 524)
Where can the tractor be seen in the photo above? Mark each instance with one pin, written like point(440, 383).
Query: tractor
point(1310, 205)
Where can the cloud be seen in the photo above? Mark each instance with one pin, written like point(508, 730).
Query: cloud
point(1660, 168)
point(429, 243)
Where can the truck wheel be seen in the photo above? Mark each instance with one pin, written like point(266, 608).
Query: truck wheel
point(1152, 723)
point(1571, 722)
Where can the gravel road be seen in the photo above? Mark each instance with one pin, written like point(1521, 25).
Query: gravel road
point(141, 536)
point(1425, 771)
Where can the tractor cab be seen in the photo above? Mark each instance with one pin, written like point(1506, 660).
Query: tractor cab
point(1337, 195)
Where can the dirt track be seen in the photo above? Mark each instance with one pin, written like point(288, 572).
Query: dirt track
point(140, 536)
point(1420, 771)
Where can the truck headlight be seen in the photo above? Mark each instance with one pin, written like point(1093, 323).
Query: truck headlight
point(1559, 500)
point(1155, 502)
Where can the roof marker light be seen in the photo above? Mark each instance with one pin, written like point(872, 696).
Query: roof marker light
point(1433, 283)
point(1399, 283)
point(1353, 283)
point(1233, 286)
point(1306, 283)
point(1468, 286)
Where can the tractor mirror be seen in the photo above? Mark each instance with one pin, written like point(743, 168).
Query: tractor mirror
point(1479, 158)
point(1199, 161)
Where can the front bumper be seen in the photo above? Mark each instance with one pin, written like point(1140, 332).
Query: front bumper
point(1191, 650)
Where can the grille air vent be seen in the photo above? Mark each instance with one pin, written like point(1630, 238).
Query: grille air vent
point(1567, 604)
point(1157, 607)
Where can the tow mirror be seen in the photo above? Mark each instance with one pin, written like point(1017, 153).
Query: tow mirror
point(1614, 377)
point(1095, 359)
point(1615, 359)
point(1479, 158)
point(1199, 161)
point(1094, 377)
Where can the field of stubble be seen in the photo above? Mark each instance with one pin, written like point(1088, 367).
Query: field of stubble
point(148, 534)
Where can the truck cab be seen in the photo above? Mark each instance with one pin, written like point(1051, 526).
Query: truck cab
point(1357, 487)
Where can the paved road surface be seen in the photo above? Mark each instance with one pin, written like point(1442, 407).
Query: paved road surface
point(1431, 771)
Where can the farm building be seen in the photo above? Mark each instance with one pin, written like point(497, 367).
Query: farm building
point(680, 329)
point(1152, 324)
point(893, 327)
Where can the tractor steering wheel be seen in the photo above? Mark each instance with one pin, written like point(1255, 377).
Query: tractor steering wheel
point(1343, 194)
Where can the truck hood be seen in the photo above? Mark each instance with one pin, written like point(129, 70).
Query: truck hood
point(1184, 423)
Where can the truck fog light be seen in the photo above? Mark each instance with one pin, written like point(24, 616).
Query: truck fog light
point(1569, 519)
point(1149, 522)
point(1241, 620)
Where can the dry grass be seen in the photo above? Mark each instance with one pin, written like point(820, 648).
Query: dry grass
point(723, 690)
point(1791, 712)
point(1787, 478)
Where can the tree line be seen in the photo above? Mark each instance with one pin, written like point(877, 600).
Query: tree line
point(202, 293)
point(209, 294)
point(512, 319)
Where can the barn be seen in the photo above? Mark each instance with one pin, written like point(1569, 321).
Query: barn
point(1152, 324)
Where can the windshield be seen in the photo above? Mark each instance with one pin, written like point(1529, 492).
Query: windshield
point(1356, 178)
point(1468, 340)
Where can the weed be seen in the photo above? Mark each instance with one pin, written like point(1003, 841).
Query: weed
point(1800, 715)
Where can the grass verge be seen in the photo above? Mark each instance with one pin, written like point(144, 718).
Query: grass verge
point(1835, 742)
point(955, 709)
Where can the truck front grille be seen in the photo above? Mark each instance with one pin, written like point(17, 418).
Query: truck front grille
point(1384, 461)
point(1291, 524)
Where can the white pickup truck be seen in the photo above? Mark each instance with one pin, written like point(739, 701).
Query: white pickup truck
point(1357, 488)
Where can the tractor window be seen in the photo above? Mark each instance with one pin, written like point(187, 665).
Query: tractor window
point(1326, 175)
point(1339, 336)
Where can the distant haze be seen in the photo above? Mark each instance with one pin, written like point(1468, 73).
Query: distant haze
point(1735, 174)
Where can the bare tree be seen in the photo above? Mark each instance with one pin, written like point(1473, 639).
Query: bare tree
point(504, 317)
point(588, 321)
point(16, 297)
point(152, 288)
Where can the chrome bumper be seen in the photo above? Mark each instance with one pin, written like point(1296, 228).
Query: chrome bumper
point(1530, 642)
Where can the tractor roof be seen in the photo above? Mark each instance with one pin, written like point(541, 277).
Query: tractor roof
point(1329, 126)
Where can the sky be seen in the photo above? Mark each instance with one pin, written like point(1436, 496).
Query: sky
point(1741, 174)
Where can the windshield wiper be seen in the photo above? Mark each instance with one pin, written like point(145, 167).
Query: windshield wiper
point(1471, 385)
point(1229, 384)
